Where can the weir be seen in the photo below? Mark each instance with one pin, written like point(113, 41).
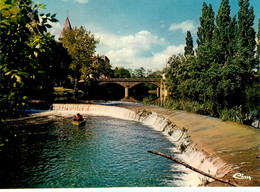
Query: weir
point(185, 149)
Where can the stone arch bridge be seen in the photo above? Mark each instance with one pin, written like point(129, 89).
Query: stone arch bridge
point(128, 83)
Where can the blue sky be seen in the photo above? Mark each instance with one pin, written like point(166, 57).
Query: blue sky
point(136, 33)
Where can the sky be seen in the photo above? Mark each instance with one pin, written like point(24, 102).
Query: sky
point(136, 33)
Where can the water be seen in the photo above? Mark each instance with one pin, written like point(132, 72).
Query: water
point(106, 152)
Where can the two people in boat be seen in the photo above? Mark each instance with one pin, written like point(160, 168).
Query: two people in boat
point(78, 118)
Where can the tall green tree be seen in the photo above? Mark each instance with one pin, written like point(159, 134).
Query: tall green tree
point(188, 49)
point(23, 39)
point(246, 32)
point(258, 46)
point(222, 74)
point(175, 73)
point(220, 38)
point(245, 59)
point(232, 46)
point(81, 45)
point(206, 28)
point(205, 32)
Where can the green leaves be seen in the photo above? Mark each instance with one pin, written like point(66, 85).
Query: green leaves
point(81, 45)
point(189, 45)
point(221, 73)
point(23, 41)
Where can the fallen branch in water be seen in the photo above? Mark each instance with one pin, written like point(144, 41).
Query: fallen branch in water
point(194, 169)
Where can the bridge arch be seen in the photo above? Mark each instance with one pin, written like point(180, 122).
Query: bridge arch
point(128, 83)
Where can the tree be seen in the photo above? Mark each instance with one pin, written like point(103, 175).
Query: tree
point(121, 73)
point(81, 45)
point(174, 73)
point(23, 39)
point(246, 32)
point(204, 50)
point(221, 31)
point(258, 46)
point(232, 46)
point(245, 59)
point(222, 74)
point(206, 28)
point(139, 73)
point(154, 74)
point(188, 49)
point(99, 67)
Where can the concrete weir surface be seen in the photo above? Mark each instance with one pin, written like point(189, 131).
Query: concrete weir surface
point(236, 144)
point(232, 148)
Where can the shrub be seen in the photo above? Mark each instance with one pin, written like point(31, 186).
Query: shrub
point(235, 114)
point(62, 94)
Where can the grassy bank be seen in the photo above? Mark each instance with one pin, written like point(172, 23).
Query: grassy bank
point(235, 114)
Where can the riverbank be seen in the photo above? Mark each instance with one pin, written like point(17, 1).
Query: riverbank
point(221, 148)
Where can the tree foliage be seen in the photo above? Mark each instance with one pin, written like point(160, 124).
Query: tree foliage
point(206, 28)
point(258, 46)
point(24, 38)
point(100, 67)
point(81, 45)
point(121, 73)
point(221, 75)
point(188, 49)
point(138, 73)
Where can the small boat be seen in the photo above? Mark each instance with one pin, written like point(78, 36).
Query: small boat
point(79, 123)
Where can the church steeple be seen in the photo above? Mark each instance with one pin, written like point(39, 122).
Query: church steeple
point(66, 26)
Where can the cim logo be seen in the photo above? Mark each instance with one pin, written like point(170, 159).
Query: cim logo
point(241, 176)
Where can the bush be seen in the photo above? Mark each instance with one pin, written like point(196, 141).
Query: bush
point(235, 114)
point(62, 94)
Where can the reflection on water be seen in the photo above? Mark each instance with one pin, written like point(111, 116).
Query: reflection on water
point(106, 152)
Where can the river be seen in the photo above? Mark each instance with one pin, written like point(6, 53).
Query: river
point(106, 152)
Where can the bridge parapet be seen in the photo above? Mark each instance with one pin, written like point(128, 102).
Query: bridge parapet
point(128, 83)
point(131, 82)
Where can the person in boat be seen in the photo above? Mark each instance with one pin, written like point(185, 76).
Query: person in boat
point(78, 118)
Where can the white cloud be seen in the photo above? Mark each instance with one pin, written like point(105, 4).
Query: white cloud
point(161, 58)
point(82, 1)
point(142, 49)
point(55, 30)
point(79, 1)
point(136, 50)
point(184, 26)
point(162, 24)
point(142, 40)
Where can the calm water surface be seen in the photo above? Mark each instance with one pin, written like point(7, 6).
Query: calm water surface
point(106, 152)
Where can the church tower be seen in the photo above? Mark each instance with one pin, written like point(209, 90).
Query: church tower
point(66, 26)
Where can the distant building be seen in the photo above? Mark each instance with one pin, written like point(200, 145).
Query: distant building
point(66, 26)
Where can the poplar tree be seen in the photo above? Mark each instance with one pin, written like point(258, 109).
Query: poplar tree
point(221, 75)
point(246, 32)
point(206, 28)
point(221, 39)
point(188, 49)
point(232, 46)
point(245, 59)
point(258, 46)
point(205, 34)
